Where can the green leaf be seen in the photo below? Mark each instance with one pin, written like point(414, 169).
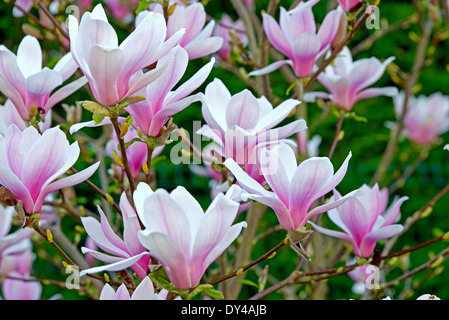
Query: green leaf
point(97, 118)
point(248, 282)
point(214, 293)
point(127, 144)
point(160, 277)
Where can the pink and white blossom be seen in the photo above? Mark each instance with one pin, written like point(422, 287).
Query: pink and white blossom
point(27, 84)
point(297, 37)
point(365, 219)
point(124, 253)
point(162, 101)
point(31, 162)
point(198, 40)
point(241, 125)
point(115, 71)
point(180, 235)
point(295, 188)
point(144, 291)
point(347, 81)
point(426, 118)
point(9, 115)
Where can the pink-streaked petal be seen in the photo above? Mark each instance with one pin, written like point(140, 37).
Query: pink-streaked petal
point(191, 84)
point(140, 46)
point(392, 214)
point(170, 254)
point(116, 266)
point(277, 115)
point(164, 214)
point(216, 222)
point(215, 103)
point(329, 27)
point(276, 35)
point(191, 206)
point(202, 48)
point(29, 56)
point(314, 95)
point(96, 231)
point(332, 233)
point(105, 66)
point(66, 66)
point(374, 92)
point(248, 184)
point(243, 110)
point(141, 80)
point(64, 92)
point(177, 61)
point(305, 50)
point(270, 68)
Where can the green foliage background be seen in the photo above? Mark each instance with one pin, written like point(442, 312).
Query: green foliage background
point(366, 141)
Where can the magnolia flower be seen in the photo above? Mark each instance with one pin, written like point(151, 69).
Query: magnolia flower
point(15, 247)
point(9, 115)
point(198, 40)
point(348, 5)
point(119, 251)
point(180, 235)
point(240, 125)
point(347, 80)
point(16, 289)
point(30, 163)
point(162, 101)
point(297, 38)
point(115, 72)
point(426, 117)
point(137, 152)
point(222, 30)
point(144, 291)
point(294, 188)
point(365, 219)
point(27, 84)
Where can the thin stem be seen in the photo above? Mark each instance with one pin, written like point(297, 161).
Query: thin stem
point(336, 136)
point(53, 20)
point(124, 158)
point(148, 168)
point(249, 265)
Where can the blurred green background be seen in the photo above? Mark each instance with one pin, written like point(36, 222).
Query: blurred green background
point(366, 141)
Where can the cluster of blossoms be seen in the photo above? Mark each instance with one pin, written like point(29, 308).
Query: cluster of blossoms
point(252, 157)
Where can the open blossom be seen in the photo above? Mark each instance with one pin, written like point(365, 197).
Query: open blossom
point(144, 291)
point(198, 40)
point(115, 71)
point(136, 153)
point(297, 38)
point(426, 117)
point(180, 235)
point(9, 115)
point(222, 30)
point(162, 101)
point(294, 187)
point(117, 251)
point(347, 81)
point(365, 219)
point(240, 125)
point(30, 163)
point(15, 247)
point(27, 84)
point(348, 5)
